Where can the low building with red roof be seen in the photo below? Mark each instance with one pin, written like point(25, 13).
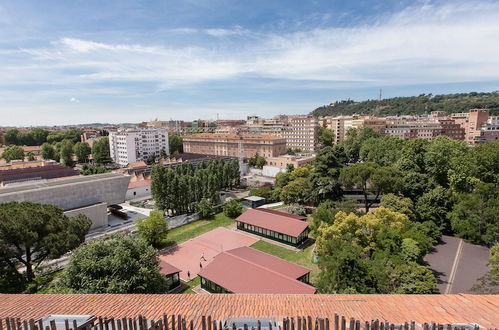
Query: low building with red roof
point(279, 226)
point(172, 274)
point(246, 270)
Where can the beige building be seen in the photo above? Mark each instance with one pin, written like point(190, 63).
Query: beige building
point(235, 145)
point(377, 124)
point(339, 125)
point(283, 161)
point(302, 132)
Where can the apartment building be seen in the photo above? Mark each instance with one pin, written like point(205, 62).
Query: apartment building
point(377, 124)
point(302, 132)
point(235, 145)
point(339, 125)
point(477, 119)
point(128, 146)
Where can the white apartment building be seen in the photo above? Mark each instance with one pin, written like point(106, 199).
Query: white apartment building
point(302, 133)
point(128, 146)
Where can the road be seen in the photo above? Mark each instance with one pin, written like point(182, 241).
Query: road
point(457, 264)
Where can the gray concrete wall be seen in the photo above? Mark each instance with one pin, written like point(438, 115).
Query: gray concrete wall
point(140, 192)
point(97, 213)
point(72, 193)
point(181, 220)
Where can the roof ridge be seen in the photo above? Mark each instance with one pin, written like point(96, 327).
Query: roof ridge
point(267, 269)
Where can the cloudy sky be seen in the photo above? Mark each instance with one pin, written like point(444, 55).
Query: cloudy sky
point(83, 61)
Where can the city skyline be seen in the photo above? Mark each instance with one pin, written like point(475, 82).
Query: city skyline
point(81, 62)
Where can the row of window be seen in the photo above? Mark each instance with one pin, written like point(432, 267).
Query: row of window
point(212, 286)
point(273, 234)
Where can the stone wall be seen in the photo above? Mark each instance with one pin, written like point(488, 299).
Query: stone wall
point(97, 213)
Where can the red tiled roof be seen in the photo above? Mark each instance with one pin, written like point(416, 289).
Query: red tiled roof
point(453, 308)
point(289, 215)
point(246, 270)
point(140, 183)
point(167, 269)
point(277, 221)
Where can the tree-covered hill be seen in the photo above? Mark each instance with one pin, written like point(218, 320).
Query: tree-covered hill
point(413, 105)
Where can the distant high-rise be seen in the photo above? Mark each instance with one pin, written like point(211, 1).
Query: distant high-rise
point(128, 146)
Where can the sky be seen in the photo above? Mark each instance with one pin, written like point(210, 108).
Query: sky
point(114, 61)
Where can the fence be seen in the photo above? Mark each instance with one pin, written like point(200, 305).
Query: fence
point(179, 322)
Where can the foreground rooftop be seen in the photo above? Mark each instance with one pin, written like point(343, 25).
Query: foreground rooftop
point(457, 308)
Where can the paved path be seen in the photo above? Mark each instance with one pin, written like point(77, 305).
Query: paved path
point(457, 264)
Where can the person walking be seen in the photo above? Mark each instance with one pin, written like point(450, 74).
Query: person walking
point(189, 275)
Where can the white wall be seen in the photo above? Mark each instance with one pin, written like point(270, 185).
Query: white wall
point(142, 191)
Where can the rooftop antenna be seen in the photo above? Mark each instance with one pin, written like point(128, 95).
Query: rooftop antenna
point(380, 93)
point(218, 117)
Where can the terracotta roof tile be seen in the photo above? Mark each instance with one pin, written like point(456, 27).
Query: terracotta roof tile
point(459, 308)
point(280, 222)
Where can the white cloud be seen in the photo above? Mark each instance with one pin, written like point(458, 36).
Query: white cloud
point(74, 100)
point(425, 43)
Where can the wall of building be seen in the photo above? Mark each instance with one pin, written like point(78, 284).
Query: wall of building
point(138, 192)
point(97, 213)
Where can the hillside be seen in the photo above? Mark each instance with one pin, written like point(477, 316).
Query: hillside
point(413, 105)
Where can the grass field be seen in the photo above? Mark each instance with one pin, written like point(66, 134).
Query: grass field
point(192, 283)
point(196, 228)
point(303, 257)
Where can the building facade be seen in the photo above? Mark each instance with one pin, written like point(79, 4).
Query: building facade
point(302, 133)
point(235, 145)
point(129, 146)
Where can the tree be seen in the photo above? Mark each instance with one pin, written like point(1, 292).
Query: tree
point(100, 151)
point(31, 233)
point(326, 137)
point(384, 151)
point(474, 217)
point(153, 229)
point(12, 136)
point(66, 152)
point(48, 152)
point(327, 210)
point(434, 206)
point(204, 208)
point(297, 191)
point(297, 209)
point(82, 151)
point(265, 192)
point(121, 264)
point(282, 179)
point(325, 178)
point(90, 170)
point(370, 179)
point(233, 208)
point(399, 204)
point(31, 156)
point(162, 153)
point(413, 278)
point(13, 153)
point(354, 141)
point(438, 158)
point(257, 161)
point(176, 144)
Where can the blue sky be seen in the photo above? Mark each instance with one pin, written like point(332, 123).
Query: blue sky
point(82, 61)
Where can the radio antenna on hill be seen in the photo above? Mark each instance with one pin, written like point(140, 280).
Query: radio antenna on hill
point(380, 93)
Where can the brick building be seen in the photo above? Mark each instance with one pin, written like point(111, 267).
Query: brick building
point(230, 144)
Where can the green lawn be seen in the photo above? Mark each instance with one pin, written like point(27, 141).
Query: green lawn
point(192, 283)
point(196, 228)
point(303, 257)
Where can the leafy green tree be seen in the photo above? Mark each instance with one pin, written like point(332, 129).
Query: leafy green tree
point(399, 204)
point(327, 210)
point(31, 156)
point(233, 208)
point(153, 229)
point(257, 161)
point(265, 192)
point(297, 209)
point(354, 141)
point(415, 279)
point(12, 136)
point(100, 151)
point(71, 134)
point(66, 152)
point(326, 137)
point(384, 151)
point(90, 170)
point(325, 178)
point(82, 151)
point(204, 208)
point(434, 206)
point(282, 179)
point(438, 158)
point(410, 250)
point(176, 144)
point(31, 233)
point(121, 264)
point(297, 191)
point(474, 217)
point(370, 179)
point(48, 152)
point(13, 153)
point(162, 153)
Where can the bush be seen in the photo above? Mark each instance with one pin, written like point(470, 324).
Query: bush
point(233, 208)
point(204, 208)
point(153, 229)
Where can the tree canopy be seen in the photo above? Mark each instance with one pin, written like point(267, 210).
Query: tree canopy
point(13, 153)
point(120, 264)
point(31, 233)
point(153, 229)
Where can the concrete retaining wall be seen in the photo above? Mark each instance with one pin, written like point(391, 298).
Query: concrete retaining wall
point(97, 213)
point(181, 220)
